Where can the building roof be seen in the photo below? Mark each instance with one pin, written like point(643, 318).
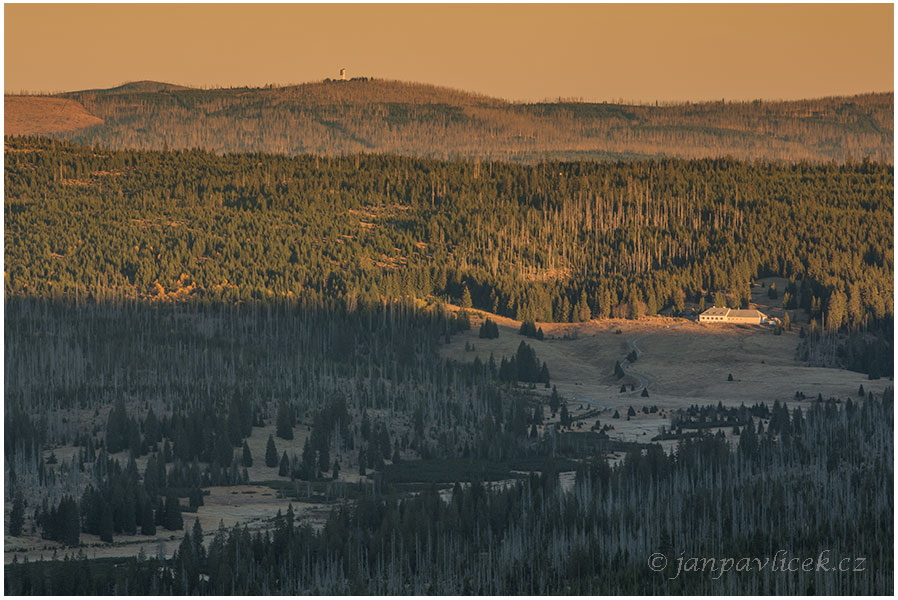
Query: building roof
point(722, 311)
point(747, 314)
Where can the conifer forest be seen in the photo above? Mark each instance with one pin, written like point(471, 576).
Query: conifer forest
point(324, 367)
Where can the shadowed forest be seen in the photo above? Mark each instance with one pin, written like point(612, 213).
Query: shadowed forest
point(370, 384)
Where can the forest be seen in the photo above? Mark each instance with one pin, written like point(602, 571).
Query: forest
point(820, 479)
point(365, 115)
point(557, 241)
point(166, 308)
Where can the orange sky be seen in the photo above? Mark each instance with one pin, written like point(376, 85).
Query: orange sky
point(518, 52)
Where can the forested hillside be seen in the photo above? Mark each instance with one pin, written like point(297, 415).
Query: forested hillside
point(811, 482)
point(167, 311)
point(554, 241)
point(362, 115)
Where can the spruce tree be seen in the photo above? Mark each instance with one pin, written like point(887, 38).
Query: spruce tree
point(198, 549)
point(284, 427)
point(247, 455)
point(271, 453)
point(554, 400)
point(173, 519)
point(105, 531)
point(618, 369)
point(17, 516)
point(309, 464)
point(284, 468)
point(466, 298)
point(147, 521)
point(324, 459)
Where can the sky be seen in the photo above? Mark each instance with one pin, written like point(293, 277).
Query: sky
point(641, 53)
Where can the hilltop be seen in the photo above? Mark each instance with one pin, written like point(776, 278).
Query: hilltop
point(369, 115)
point(139, 87)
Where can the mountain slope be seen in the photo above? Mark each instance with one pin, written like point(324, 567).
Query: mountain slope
point(44, 115)
point(363, 115)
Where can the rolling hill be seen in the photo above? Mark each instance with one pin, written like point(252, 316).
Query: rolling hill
point(367, 115)
point(45, 115)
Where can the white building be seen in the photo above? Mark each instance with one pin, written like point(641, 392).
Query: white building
point(730, 315)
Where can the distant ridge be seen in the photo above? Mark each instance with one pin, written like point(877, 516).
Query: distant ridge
point(334, 117)
point(363, 90)
point(139, 87)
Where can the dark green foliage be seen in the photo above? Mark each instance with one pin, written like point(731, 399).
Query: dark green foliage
point(61, 523)
point(105, 524)
point(565, 417)
point(308, 468)
point(730, 377)
point(529, 368)
point(524, 366)
point(271, 453)
point(527, 328)
point(247, 455)
point(17, 514)
point(554, 400)
point(466, 299)
point(122, 431)
point(147, 520)
point(489, 329)
point(172, 518)
point(645, 393)
point(284, 422)
point(544, 374)
point(195, 498)
point(618, 369)
point(284, 467)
